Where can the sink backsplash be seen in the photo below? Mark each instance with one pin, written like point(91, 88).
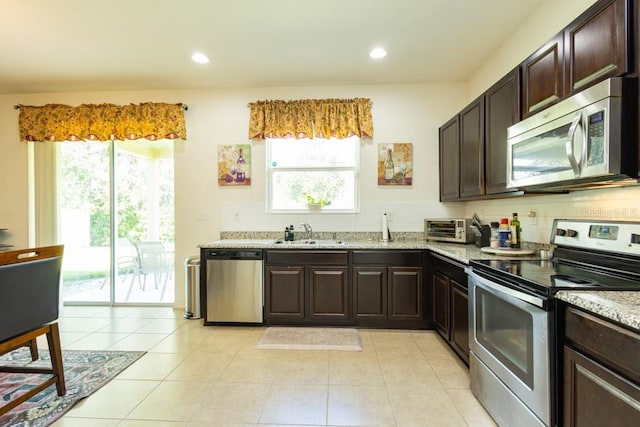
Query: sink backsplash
point(347, 236)
point(324, 235)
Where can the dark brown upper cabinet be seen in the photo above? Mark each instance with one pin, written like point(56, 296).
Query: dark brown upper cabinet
point(502, 109)
point(472, 149)
point(592, 48)
point(543, 77)
point(450, 160)
point(473, 144)
point(596, 45)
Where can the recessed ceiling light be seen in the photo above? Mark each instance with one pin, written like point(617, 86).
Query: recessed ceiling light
point(200, 58)
point(377, 53)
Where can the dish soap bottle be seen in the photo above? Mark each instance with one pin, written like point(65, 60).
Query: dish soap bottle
point(516, 232)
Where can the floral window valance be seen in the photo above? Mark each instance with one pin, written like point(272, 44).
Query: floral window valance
point(102, 122)
point(309, 118)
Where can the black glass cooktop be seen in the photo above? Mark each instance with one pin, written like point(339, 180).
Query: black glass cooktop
point(548, 276)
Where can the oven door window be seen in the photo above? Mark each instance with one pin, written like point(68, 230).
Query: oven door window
point(506, 332)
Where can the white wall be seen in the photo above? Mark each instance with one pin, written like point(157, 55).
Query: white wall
point(402, 113)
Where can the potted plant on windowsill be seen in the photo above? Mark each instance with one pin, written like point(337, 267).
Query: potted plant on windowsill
point(315, 204)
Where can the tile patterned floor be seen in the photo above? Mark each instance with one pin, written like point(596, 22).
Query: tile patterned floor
point(214, 376)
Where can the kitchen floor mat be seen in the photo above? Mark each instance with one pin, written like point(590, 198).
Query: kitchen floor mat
point(291, 338)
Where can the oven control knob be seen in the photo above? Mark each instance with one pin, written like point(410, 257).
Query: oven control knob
point(561, 232)
point(572, 233)
point(635, 238)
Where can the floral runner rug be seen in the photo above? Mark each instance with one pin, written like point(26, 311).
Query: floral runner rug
point(84, 372)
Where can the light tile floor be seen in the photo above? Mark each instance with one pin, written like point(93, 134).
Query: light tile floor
point(194, 375)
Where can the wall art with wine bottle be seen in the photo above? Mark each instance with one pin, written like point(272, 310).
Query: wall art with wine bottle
point(395, 163)
point(234, 164)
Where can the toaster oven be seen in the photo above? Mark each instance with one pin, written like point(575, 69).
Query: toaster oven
point(448, 230)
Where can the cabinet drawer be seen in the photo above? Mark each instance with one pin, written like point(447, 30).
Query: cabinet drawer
point(386, 257)
point(609, 343)
point(308, 257)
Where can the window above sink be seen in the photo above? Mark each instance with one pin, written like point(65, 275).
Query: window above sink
point(303, 171)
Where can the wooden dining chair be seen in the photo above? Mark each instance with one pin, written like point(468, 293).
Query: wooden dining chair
point(29, 302)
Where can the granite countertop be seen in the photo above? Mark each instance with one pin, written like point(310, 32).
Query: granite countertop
point(622, 307)
point(459, 252)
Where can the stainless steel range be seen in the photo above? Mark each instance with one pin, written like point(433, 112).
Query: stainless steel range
point(511, 314)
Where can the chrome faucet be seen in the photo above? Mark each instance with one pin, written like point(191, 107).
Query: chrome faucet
point(308, 230)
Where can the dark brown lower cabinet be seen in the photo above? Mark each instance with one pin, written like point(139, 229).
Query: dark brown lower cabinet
point(448, 287)
point(370, 294)
point(329, 293)
point(380, 288)
point(307, 287)
point(597, 396)
point(601, 372)
point(388, 288)
point(441, 294)
point(284, 292)
point(405, 293)
point(460, 320)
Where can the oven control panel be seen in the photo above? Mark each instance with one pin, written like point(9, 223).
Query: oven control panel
point(610, 236)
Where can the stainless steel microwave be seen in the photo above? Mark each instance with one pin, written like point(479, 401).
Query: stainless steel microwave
point(589, 138)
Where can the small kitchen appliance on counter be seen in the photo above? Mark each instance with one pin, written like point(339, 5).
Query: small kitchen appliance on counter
point(511, 322)
point(448, 230)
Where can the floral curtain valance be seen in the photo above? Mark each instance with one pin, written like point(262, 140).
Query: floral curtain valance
point(102, 122)
point(309, 118)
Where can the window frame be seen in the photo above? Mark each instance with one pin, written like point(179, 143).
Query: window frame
point(269, 179)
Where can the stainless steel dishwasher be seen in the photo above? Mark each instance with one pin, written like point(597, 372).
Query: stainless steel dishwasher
point(234, 286)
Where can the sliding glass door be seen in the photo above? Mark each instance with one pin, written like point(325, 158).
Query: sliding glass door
point(115, 218)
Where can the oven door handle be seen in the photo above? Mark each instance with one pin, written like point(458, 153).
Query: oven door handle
point(503, 291)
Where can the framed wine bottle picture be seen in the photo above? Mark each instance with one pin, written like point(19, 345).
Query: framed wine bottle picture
point(395, 163)
point(234, 164)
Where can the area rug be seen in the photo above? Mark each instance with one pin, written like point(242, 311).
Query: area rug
point(84, 372)
point(288, 338)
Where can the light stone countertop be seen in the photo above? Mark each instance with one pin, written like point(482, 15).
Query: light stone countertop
point(459, 252)
point(622, 307)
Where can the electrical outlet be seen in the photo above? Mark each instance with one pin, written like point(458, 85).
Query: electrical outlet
point(390, 216)
point(202, 215)
point(533, 216)
point(236, 216)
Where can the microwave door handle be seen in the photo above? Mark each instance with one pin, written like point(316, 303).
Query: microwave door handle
point(569, 145)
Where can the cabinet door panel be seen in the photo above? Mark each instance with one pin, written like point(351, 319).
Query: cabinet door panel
point(328, 293)
point(460, 320)
point(596, 396)
point(502, 109)
point(441, 294)
point(472, 149)
point(370, 292)
point(405, 293)
point(449, 160)
point(543, 77)
point(596, 46)
point(285, 292)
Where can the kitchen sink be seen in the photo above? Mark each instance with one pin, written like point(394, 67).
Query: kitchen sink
point(313, 242)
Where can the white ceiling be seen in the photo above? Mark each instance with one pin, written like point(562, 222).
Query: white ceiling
point(88, 45)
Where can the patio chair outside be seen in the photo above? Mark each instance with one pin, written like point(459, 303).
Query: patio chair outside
point(152, 259)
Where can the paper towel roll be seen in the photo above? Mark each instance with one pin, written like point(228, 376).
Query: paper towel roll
point(385, 228)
